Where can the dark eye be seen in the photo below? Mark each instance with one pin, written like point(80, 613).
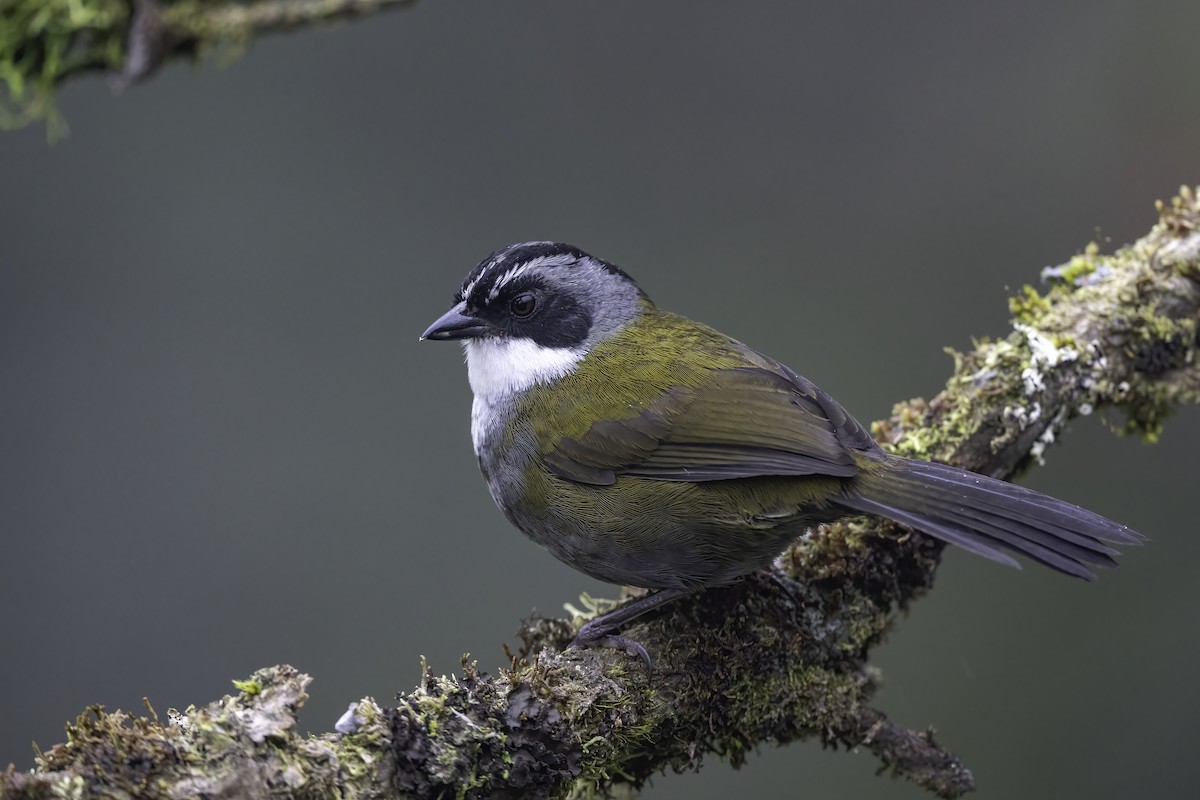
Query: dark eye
point(523, 305)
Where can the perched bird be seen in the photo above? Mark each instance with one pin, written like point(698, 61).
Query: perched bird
point(646, 449)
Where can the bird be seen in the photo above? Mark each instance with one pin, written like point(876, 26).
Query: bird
point(648, 450)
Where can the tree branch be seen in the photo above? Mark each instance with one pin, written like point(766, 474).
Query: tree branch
point(777, 657)
point(44, 43)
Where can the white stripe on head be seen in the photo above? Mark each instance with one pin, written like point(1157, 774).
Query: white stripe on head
point(470, 287)
point(520, 269)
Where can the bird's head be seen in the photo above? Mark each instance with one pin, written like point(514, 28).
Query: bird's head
point(529, 313)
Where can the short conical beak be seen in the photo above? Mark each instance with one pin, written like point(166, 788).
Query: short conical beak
point(455, 324)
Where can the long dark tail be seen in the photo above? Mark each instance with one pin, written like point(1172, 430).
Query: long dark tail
point(988, 516)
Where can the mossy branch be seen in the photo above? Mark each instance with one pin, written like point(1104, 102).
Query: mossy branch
point(778, 657)
point(44, 43)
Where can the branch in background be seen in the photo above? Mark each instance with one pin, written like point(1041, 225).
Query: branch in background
point(44, 43)
point(775, 658)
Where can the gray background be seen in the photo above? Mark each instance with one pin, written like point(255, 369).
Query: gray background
point(221, 446)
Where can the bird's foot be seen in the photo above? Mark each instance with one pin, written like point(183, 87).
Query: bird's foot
point(584, 641)
point(598, 632)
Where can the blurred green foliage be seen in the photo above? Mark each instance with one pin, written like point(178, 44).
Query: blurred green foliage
point(42, 42)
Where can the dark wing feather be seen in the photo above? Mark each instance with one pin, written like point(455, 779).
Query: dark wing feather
point(848, 430)
point(742, 422)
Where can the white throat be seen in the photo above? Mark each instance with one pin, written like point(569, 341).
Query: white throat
point(500, 368)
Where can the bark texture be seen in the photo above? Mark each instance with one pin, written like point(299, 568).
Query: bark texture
point(778, 657)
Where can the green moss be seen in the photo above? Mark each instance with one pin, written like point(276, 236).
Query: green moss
point(1181, 216)
point(1028, 306)
point(981, 382)
point(42, 42)
point(357, 752)
point(1151, 326)
point(250, 687)
point(734, 674)
point(758, 703)
point(195, 19)
point(1081, 265)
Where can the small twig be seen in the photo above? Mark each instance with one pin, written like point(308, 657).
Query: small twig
point(915, 756)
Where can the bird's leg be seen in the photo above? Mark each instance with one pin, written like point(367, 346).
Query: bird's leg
point(598, 632)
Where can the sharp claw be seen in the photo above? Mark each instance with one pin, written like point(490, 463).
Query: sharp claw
point(635, 648)
point(595, 632)
point(614, 641)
